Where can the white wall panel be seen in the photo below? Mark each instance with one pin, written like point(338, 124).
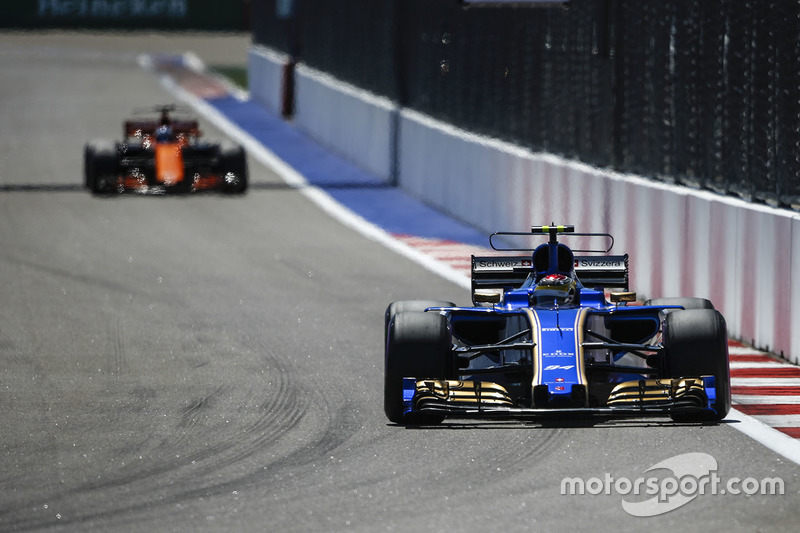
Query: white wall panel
point(347, 120)
point(620, 210)
point(696, 270)
point(727, 263)
point(672, 244)
point(793, 353)
point(766, 282)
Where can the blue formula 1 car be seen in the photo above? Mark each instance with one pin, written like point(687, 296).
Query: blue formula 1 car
point(548, 336)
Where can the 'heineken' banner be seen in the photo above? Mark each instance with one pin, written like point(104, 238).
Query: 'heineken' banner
point(126, 14)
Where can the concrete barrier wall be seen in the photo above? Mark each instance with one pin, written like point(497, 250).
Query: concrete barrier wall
point(682, 242)
point(265, 73)
point(343, 118)
point(346, 119)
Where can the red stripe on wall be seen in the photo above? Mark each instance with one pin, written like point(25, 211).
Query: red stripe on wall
point(788, 372)
point(774, 409)
point(792, 432)
point(751, 358)
point(766, 391)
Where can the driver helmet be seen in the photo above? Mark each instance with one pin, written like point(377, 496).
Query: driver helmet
point(164, 134)
point(554, 289)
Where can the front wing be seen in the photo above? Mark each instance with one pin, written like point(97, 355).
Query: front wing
point(643, 397)
point(139, 175)
point(138, 182)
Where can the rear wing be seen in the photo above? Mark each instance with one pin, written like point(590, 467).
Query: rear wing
point(510, 272)
point(147, 128)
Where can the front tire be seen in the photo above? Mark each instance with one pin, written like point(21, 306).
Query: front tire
point(88, 160)
point(418, 346)
point(696, 344)
point(101, 166)
point(233, 166)
point(403, 306)
point(686, 303)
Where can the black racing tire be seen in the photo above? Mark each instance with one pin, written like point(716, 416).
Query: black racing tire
point(88, 160)
point(419, 346)
point(403, 306)
point(233, 160)
point(101, 160)
point(686, 303)
point(696, 344)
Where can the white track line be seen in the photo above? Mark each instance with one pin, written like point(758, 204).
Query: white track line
point(769, 437)
point(779, 421)
point(765, 382)
point(743, 350)
point(735, 365)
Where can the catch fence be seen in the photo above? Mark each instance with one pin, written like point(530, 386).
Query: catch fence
point(704, 93)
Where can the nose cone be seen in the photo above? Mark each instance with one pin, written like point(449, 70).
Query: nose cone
point(169, 163)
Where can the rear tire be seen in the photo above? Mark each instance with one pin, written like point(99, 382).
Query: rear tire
point(696, 344)
point(418, 346)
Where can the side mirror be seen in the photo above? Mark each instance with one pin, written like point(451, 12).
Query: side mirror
point(617, 297)
point(487, 296)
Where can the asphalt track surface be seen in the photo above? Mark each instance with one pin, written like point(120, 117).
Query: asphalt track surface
point(215, 364)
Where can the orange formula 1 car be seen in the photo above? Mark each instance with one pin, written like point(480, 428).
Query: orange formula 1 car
point(163, 154)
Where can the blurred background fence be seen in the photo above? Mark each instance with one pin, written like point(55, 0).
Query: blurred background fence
point(704, 93)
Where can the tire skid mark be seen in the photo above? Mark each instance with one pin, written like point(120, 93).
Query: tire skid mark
point(305, 462)
point(540, 440)
point(192, 470)
point(197, 410)
point(284, 414)
point(201, 472)
point(525, 444)
point(10, 351)
point(6, 344)
point(120, 357)
point(276, 418)
point(196, 492)
point(283, 417)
